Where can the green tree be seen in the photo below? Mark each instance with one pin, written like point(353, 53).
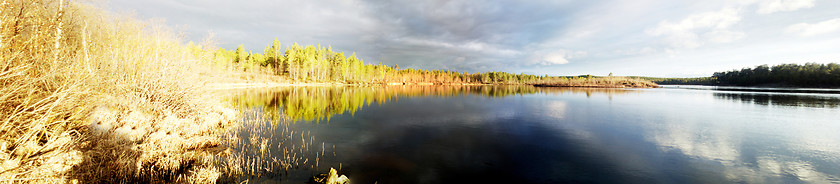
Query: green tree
point(240, 54)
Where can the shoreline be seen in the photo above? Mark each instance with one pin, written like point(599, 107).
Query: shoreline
point(758, 89)
point(594, 86)
point(247, 85)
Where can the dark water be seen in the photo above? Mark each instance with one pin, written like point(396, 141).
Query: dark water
point(509, 134)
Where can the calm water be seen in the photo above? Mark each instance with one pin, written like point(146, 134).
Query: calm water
point(510, 134)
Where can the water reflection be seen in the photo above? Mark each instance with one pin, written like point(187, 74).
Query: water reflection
point(752, 144)
point(742, 159)
point(522, 134)
point(803, 100)
point(459, 154)
point(322, 103)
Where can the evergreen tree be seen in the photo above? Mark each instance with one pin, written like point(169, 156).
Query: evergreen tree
point(240, 54)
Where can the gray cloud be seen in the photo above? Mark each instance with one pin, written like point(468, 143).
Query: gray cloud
point(487, 35)
point(540, 37)
point(425, 34)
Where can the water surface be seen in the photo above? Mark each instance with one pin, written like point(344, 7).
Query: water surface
point(523, 134)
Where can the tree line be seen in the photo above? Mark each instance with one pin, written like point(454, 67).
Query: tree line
point(688, 81)
point(323, 64)
point(794, 75)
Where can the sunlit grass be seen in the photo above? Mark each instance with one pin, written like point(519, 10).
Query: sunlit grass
point(95, 97)
point(262, 147)
point(599, 82)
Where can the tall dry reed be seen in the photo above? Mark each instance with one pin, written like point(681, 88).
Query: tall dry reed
point(263, 147)
point(40, 119)
point(95, 97)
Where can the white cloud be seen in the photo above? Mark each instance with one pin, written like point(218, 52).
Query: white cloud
point(559, 57)
point(806, 29)
point(555, 58)
point(772, 6)
point(695, 30)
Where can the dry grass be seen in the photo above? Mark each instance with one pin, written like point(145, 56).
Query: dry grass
point(599, 82)
point(100, 98)
point(268, 149)
point(40, 130)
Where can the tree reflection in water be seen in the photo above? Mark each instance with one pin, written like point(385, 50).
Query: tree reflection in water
point(320, 103)
point(798, 100)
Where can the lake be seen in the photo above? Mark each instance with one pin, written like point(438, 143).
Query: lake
point(524, 134)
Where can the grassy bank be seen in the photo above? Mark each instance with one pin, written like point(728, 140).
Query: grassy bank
point(596, 82)
point(102, 98)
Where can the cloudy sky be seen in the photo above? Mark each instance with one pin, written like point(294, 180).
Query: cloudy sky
point(662, 38)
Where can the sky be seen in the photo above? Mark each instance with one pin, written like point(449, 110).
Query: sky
point(660, 38)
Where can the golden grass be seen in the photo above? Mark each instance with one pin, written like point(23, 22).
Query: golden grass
point(598, 82)
point(269, 148)
point(40, 131)
point(99, 98)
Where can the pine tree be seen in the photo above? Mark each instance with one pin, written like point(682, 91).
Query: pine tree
point(240, 54)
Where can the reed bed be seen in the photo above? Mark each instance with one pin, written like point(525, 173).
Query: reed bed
point(265, 147)
point(88, 96)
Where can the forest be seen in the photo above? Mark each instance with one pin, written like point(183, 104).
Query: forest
point(689, 81)
point(784, 75)
point(320, 64)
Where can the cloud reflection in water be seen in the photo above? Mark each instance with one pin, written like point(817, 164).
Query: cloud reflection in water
point(550, 135)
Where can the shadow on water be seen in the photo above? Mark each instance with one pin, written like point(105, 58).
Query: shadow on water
point(457, 154)
point(798, 100)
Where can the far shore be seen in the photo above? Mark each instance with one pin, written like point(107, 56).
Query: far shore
point(593, 86)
